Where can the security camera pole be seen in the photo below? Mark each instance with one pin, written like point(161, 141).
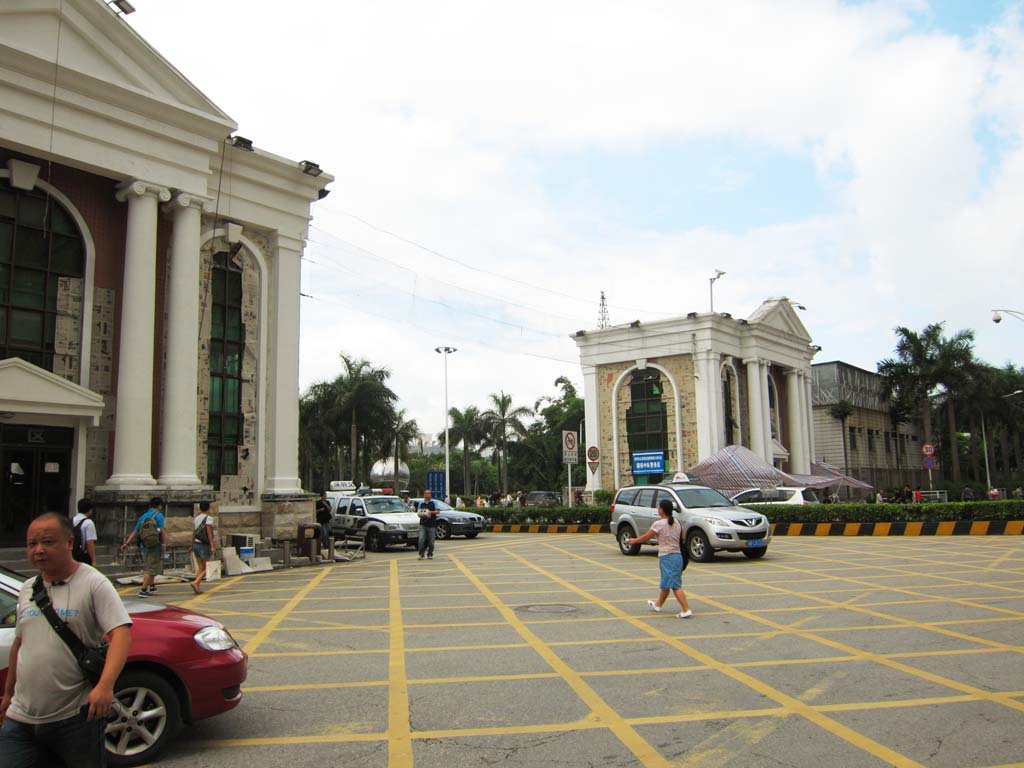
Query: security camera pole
point(711, 287)
point(997, 315)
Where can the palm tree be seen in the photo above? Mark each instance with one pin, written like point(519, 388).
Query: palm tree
point(504, 421)
point(469, 428)
point(911, 376)
point(955, 361)
point(842, 411)
point(404, 431)
point(364, 395)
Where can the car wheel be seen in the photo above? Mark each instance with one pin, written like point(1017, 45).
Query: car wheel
point(755, 553)
point(374, 541)
point(472, 535)
point(444, 531)
point(145, 716)
point(625, 532)
point(699, 547)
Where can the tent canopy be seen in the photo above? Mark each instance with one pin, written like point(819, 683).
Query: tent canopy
point(735, 468)
point(821, 469)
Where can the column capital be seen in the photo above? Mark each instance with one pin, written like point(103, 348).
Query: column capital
point(139, 188)
point(181, 200)
point(751, 361)
point(791, 372)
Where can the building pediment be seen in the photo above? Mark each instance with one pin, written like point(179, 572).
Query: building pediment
point(28, 389)
point(97, 49)
point(779, 315)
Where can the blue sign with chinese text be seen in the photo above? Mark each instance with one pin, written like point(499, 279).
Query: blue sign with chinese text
point(648, 462)
point(435, 482)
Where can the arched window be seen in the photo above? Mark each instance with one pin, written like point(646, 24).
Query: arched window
point(647, 416)
point(730, 406)
point(40, 246)
point(773, 408)
point(227, 340)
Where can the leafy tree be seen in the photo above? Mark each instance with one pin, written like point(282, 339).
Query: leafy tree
point(405, 431)
point(954, 364)
point(913, 373)
point(363, 394)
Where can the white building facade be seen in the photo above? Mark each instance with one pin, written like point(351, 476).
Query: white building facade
point(687, 387)
point(149, 284)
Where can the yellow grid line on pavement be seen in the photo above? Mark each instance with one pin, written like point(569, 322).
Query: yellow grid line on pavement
point(790, 703)
point(600, 709)
point(399, 729)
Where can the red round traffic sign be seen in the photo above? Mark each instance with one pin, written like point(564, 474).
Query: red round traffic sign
point(928, 449)
point(593, 453)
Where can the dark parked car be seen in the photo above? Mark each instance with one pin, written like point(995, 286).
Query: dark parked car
point(543, 499)
point(457, 522)
point(183, 667)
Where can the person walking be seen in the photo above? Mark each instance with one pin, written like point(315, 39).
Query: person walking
point(85, 534)
point(670, 558)
point(50, 713)
point(428, 525)
point(149, 530)
point(204, 546)
point(323, 519)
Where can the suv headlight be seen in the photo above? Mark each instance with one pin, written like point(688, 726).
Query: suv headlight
point(716, 521)
point(392, 527)
point(214, 639)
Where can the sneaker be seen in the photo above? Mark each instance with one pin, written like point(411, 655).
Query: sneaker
point(684, 615)
point(421, 557)
point(143, 593)
point(654, 606)
point(430, 557)
point(152, 589)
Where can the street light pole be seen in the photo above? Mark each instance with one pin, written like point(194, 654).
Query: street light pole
point(984, 450)
point(711, 287)
point(445, 351)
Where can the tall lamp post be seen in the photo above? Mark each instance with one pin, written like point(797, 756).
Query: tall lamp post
point(445, 351)
point(984, 438)
point(711, 287)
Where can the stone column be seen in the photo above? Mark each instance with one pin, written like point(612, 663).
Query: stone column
point(714, 384)
point(280, 442)
point(766, 413)
point(181, 374)
point(592, 417)
point(754, 385)
point(133, 430)
point(795, 422)
point(703, 405)
point(809, 416)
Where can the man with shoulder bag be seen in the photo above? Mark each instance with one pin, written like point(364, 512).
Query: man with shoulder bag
point(149, 530)
point(61, 675)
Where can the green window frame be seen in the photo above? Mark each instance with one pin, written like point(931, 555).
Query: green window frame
point(39, 244)
point(227, 344)
point(647, 416)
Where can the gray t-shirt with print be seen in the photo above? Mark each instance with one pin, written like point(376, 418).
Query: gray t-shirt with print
point(50, 686)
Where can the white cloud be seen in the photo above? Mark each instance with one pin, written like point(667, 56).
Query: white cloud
point(436, 119)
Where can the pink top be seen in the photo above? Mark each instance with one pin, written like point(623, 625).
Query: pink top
point(668, 538)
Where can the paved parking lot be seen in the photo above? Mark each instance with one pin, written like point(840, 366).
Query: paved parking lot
point(539, 650)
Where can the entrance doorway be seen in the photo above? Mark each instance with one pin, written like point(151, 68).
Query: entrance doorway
point(36, 466)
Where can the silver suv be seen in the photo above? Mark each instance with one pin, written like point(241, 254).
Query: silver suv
point(710, 520)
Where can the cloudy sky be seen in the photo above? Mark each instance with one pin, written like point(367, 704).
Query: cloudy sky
point(498, 165)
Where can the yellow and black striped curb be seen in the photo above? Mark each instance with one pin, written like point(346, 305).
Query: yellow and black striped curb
point(902, 528)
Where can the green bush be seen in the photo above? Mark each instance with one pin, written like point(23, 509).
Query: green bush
point(603, 497)
point(586, 515)
point(1012, 509)
point(890, 513)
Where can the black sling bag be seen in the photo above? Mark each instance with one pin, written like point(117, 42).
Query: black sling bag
point(90, 660)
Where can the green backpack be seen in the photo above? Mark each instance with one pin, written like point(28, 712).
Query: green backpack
point(149, 533)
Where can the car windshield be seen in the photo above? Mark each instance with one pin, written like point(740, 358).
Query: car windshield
point(702, 497)
point(384, 506)
point(444, 507)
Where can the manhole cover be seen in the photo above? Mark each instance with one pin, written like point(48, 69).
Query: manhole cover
point(548, 608)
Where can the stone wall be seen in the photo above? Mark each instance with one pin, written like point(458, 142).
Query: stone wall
point(681, 369)
point(239, 489)
point(101, 381)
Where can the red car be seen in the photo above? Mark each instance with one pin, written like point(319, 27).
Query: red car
point(182, 667)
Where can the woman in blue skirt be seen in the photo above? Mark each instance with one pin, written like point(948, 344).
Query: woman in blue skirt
point(670, 558)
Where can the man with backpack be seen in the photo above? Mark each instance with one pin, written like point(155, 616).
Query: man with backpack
point(149, 530)
point(84, 549)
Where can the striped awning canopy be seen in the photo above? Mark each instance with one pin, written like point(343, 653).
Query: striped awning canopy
point(735, 468)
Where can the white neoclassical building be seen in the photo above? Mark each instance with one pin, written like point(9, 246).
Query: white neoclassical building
point(149, 284)
point(662, 396)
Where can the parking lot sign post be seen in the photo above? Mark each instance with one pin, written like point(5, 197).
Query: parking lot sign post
point(435, 482)
point(570, 456)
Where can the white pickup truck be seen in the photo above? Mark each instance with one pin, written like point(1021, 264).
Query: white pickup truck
point(378, 520)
